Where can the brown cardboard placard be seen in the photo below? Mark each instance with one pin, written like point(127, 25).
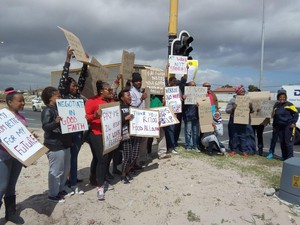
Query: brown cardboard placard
point(242, 111)
point(127, 64)
point(154, 79)
point(205, 115)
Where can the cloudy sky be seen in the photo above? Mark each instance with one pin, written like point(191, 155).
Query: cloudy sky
point(227, 37)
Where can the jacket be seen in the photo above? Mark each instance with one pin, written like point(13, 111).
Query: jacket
point(285, 114)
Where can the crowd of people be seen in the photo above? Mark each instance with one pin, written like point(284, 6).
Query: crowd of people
point(133, 151)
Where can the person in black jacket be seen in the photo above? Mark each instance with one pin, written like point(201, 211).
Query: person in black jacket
point(284, 121)
point(59, 147)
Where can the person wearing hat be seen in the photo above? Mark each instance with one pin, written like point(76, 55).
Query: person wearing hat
point(70, 89)
point(284, 122)
point(212, 97)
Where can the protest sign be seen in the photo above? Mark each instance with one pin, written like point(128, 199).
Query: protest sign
point(154, 79)
point(166, 116)
point(193, 92)
point(192, 70)
point(111, 123)
point(95, 74)
point(205, 115)
point(173, 98)
point(19, 142)
point(145, 123)
point(75, 44)
point(127, 64)
point(266, 109)
point(177, 64)
point(256, 99)
point(72, 113)
point(241, 113)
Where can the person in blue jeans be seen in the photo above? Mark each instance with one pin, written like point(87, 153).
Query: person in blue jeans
point(191, 124)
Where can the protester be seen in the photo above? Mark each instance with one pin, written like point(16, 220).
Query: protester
point(212, 97)
point(59, 144)
point(70, 89)
point(138, 97)
point(284, 122)
point(10, 168)
point(191, 122)
point(241, 136)
point(210, 140)
point(98, 168)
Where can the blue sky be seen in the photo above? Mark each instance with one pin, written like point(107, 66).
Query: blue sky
point(227, 38)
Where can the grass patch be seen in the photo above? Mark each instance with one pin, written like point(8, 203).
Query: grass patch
point(192, 217)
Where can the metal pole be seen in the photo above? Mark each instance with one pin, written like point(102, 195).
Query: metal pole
point(173, 21)
point(262, 47)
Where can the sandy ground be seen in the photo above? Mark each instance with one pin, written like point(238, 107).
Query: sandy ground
point(175, 191)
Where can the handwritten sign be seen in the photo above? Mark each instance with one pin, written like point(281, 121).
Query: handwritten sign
point(95, 74)
point(111, 123)
point(205, 115)
point(266, 109)
point(192, 70)
point(145, 123)
point(154, 79)
point(256, 99)
point(127, 64)
point(75, 43)
point(193, 92)
point(73, 115)
point(166, 116)
point(178, 64)
point(17, 139)
point(173, 98)
point(242, 111)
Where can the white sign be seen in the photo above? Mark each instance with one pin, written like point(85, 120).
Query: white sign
point(145, 123)
point(177, 64)
point(166, 116)
point(111, 123)
point(17, 139)
point(72, 113)
point(193, 92)
point(173, 98)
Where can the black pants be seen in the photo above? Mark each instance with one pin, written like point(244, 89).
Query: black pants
point(286, 137)
point(258, 132)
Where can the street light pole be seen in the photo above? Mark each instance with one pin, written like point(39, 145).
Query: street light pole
point(173, 21)
point(262, 47)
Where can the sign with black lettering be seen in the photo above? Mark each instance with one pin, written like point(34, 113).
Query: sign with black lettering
point(111, 123)
point(72, 113)
point(145, 123)
point(166, 116)
point(19, 142)
point(173, 98)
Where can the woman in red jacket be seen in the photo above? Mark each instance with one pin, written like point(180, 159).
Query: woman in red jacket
point(93, 115)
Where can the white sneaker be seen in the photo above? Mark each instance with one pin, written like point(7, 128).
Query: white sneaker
point(196, 150)
point(68, 191)
point(100, 193)
point(174, 152)
point(77, 191)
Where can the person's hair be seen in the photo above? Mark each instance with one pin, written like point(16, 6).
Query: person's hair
point(47, 94)
point(172, 79)
point(8, 90)
point(122, 93)
point(100, 85)
point(11, 94)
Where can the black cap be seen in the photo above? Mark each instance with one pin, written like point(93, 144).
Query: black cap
point(136, 77)
point(281, 92)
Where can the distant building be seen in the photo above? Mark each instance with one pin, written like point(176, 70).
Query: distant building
point(224, 94)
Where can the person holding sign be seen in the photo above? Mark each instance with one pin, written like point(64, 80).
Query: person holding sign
point(98, 168)
point(212, 97)
point(59, 144)
point(10, 168)
point(70, 89)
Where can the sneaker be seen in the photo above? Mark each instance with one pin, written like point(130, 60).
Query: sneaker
point(68, 191)
point(100, 193)
point(57, 199)
point(188, 149)
point(165, 156)
point(196, 150)
point(232, 153)
point(174, 152)
point(270, 156)
point(245, 154)
point(124, 180)
point(108, 186)
point(138, 167)
point(129, 177)
point(77, 191)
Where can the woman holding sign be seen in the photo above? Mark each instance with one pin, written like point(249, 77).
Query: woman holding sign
point(10, 168)
point(70, 89)
point(93, 116)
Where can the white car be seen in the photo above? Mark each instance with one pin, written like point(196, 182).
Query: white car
point(38, 105)
point(37, 99)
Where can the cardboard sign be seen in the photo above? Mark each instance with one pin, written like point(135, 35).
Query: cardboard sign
point(178, 64)
point(266, 109)
point(205, 115)
point(127, 64)
point(17, 139)
point(242, 111)
point(145, 123)
point(192, 93)
point(154, 79)
point(173, 98)
point(192, 70)
point(111, 123)
point(75, 44)
point(95, 74)
point(72, 113)
point(166, 116)
point(256, 98)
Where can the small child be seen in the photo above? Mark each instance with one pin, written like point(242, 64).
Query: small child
point(59, 155)
point(210, 140)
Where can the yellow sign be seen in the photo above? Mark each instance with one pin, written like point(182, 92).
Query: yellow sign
point(296, 181)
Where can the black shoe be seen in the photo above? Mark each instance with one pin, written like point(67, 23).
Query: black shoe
point(79, 180)
point(117, 172)
point(124, 180)
point(109, 176)
point(138, 167)
point(129, 177)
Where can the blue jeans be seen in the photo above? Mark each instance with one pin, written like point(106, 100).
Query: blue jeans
point(191, 133)
point(170, 136)
point(76, 141)
point(10, 170)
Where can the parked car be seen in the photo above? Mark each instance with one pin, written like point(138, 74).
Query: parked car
point(37, 99)
point(38, 105)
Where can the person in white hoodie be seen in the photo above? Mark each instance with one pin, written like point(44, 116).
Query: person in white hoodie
point(210, 140)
